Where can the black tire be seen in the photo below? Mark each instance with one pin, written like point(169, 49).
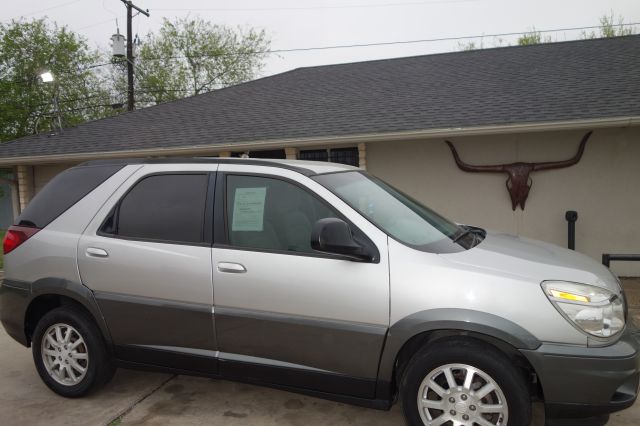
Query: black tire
point(473, 353)
point(99, 365)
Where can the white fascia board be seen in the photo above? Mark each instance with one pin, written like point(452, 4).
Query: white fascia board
point(212, 149)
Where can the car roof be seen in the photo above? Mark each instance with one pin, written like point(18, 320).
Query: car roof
point(307, 168)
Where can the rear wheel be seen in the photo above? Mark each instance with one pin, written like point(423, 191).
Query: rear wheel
point(459, 382)
point(69, 352)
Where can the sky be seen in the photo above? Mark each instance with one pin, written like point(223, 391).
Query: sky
point(316, 23)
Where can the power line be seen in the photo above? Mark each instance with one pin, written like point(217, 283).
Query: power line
point(147, 90)
point(347, 46)
point(345, 6)
point(66, 71)
point(45, 9)
point(102, 64)
point(69, 100)
point(389, 43)
point(47, 114)
point(95, 24)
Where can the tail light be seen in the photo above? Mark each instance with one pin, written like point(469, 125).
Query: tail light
point(15, 236)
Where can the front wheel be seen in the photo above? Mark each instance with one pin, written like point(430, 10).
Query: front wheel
point(462, 382)
point(69, 352)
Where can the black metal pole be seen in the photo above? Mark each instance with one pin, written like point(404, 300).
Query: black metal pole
point(130, 99)
point(608, 257)
point(572, 217)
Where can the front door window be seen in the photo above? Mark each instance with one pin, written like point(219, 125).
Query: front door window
point(272, 214)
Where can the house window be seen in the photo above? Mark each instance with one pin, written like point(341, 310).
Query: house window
point(270, 153)
point(314, 155)
point(348, 156)
point(345, 156)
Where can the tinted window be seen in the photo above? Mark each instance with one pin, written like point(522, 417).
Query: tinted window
point(271, 214)
point(272, 153)
point(314, 155)
point(163, 207)
point(62, 192)
point(348, 156)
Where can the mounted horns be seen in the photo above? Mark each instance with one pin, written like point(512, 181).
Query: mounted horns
point(518, 183)
point(566, 163)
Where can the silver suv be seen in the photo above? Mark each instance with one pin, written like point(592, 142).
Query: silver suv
point(313, 277)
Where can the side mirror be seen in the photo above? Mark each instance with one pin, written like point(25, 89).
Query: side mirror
point(333, 235)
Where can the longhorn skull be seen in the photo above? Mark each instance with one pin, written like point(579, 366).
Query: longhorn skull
point(519, 182)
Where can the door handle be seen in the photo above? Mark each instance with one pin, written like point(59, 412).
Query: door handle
point(96, 252)
point(233, 268)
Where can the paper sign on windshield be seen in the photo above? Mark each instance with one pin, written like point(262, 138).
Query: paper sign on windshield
point(248, 209)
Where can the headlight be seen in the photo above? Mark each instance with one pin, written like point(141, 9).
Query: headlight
point(594, 310)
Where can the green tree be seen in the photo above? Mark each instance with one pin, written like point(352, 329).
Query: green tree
point(609, 28)
point(191, 56)
point(27, 104)
point(532, 37)
point(471, 45)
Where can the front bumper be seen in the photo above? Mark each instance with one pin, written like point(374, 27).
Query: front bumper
point(588, 381)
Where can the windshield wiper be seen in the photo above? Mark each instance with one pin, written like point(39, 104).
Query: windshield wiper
point(469, 230)
point(464, 233)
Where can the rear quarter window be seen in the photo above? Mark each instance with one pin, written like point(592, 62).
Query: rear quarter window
point(62, 192)
point(163, 208)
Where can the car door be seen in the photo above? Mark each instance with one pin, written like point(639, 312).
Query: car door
point(147, 258)
point(284, 313)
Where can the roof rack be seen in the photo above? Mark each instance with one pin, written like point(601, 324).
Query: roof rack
point(198, 160)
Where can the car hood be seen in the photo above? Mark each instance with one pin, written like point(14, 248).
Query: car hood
point(534, 260)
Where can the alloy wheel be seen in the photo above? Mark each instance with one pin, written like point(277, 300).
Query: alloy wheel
point(65, 354)
point(461, 395)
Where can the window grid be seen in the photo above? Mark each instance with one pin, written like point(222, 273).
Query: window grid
point(349, 156)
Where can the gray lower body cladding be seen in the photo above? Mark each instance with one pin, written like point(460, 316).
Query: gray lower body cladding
point(135, 320)
point(14, 300)
point(330, 356)
point(332, 346)
point(17, 296)
point(160, 335)
point(327, 346)
point(585, 382)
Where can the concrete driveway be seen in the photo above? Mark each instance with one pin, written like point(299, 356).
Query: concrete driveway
point(161, 399)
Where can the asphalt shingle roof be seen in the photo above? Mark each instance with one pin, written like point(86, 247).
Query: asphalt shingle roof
point(542, 83)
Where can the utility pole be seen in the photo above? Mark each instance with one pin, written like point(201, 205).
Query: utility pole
point(130, 6)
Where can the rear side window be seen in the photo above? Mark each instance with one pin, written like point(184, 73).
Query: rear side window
point(62, 192)
point(168, 208)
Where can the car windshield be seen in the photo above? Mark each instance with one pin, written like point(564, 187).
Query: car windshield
point(398, 215)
